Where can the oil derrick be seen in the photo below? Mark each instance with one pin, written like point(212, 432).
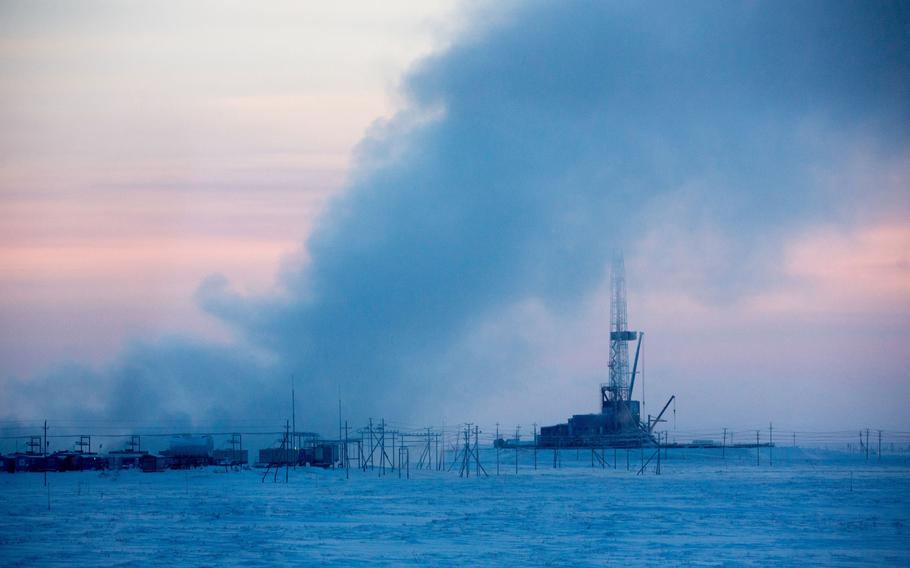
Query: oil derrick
point(616, 395)
point(618, 388)
point(618, 424)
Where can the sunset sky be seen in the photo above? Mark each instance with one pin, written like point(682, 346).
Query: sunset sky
point(414, 204)
point(145, 148)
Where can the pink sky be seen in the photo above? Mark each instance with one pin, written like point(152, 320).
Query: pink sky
point(141, 155)
point(141, 152)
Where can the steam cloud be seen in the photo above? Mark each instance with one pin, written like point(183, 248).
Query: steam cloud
point(527, 152)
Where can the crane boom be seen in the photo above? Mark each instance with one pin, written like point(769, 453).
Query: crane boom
point(656, 420)
point(635, 364)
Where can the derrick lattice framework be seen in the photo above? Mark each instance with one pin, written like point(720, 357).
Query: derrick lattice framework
point(617, 389)
point(618, 424)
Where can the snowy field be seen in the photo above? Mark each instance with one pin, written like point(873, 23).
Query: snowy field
point(700, 511)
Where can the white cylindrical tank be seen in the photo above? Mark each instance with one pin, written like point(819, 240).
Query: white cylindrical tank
point(191, 446)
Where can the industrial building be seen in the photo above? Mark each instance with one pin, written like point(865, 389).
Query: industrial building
point(231, 457)
point(183, 451)
point(124, 459)
point(279, 456)
point(317, 455)
point(189, 451)
point(618, 424)
point(150, 463)
point(128, 457)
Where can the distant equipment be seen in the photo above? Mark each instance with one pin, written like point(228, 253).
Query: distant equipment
point(619, 422)
point(189, 451)
point(129, 457)
point(190, 446)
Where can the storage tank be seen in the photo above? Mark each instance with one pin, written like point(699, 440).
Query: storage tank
point(191, 446)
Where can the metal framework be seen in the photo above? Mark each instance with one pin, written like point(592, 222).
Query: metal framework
point(619, 422)
point(618, 389)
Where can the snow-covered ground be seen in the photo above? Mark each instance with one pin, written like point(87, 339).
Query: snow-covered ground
point(701, 510)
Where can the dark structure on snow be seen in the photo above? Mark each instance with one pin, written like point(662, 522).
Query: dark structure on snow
point(618, 424)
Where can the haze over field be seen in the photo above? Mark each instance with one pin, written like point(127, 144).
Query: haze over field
point(751, 159)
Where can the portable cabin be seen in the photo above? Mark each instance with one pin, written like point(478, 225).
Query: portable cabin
point(79, 461)
point(319, 455)
point(125, 459)
point(151, 463)
point(280, 456)
point(231, 457)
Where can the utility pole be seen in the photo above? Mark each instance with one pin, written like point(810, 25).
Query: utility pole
point(293, 413)
point(497, 449)
point(867, 444)
point(517, 430)
point(44, 454)
point(382, 459)
point(723, 448)
point(430, 437)
point(286, 451)
point(476, 452)
point(658, 454)
point(466, 456)
point(345, 460)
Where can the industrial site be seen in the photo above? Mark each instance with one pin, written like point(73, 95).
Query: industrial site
point(617, 430)
point(454, 283)
point(309, 498)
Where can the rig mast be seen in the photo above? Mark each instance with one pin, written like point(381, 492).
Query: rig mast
point(618, 388)
point(618, 424)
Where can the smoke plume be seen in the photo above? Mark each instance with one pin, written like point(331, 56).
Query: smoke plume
point(526, 153)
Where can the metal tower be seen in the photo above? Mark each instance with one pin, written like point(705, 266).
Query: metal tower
point(618, 389)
